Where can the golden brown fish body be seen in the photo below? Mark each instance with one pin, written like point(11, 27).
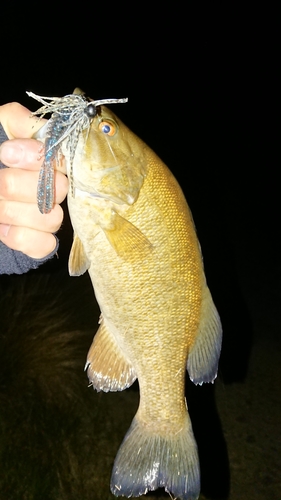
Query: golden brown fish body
point(135, 235)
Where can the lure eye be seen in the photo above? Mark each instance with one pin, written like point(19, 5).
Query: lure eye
point(91, 110)
point(108, 128)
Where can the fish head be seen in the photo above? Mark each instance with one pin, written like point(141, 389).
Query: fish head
point(109, 160)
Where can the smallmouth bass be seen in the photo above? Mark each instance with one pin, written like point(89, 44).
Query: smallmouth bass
point(134, 233)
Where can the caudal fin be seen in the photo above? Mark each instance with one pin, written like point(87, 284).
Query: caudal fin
point(147, 461)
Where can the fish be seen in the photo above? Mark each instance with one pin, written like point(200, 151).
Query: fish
point(134, 234)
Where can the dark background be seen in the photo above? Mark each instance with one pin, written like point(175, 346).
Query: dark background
point(201, 83)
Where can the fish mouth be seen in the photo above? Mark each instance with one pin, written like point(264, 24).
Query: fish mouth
point(97, 177)
point(80, 189)
point(81, 193)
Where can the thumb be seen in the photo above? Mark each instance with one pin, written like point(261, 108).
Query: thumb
point(17, 121)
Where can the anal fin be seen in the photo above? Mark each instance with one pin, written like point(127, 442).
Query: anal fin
point(203, 358)
point(107, 367)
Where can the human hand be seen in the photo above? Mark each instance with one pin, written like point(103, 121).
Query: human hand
point(22, 226)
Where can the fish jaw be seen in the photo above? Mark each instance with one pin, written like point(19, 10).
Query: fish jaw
point(112, 168)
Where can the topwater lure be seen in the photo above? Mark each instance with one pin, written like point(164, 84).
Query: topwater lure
point(70, 115)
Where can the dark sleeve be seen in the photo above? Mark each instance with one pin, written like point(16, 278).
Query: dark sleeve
point(12, 261)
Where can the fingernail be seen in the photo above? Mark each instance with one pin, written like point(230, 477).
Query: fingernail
point(41, 152)
point(4, 229)
point(41, 148)
point(10, 153)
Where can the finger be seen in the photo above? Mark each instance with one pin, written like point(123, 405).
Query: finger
point(21, 185)
point(27, 154)
point(22, 153)
point(35, 244)
point(18, 122)
point(27, 215)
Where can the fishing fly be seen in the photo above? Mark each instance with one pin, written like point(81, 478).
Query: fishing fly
point(71, 115)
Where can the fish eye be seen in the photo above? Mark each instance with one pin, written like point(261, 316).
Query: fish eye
point(107, 128)
point(90, 110)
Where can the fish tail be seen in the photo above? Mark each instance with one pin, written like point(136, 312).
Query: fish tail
point(148, 460)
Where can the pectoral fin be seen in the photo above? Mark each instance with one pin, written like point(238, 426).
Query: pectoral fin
point(202, 363)
point(127, 240)
point(107, 367)
point(78, 262)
